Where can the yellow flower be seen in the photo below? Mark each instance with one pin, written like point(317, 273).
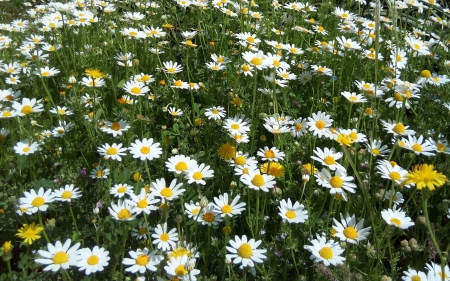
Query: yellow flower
point(227, 151)
point(424, 175)
point(236, 101)
point(137, 177)
point(6, 247)
point(273, 168)
point(309, 168)
point(29, 232)
point(94, 73)
point(344, 139)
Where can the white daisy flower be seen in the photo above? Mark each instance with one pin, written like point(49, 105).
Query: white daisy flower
point(349, 231)
point(113, 151)
point(36, 201)
point(197, 174)
point(59, 256)
point(329, 252)
point(245, 252)
point(67, 193)
point(228, 209)
point(164, 240)
point(145, 149)
point(94, 260)
point(292, 213)
point(141, 260)
point(159, 189)
point(397, 218)
point(121, 211)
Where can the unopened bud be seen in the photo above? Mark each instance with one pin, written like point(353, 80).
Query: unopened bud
point(72, 80)
point(422, 220)
point(164, 108)
point(204, 202)
point(305, 178)
point(178, 219)
point(174, 151)
point(276, 191)
point(190, 265)
point(233, 184)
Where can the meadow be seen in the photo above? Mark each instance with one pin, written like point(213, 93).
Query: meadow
point(224, 140)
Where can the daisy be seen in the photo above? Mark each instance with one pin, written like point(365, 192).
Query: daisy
point(319, 124)
point(93, 260)
point(165, 240)
point(225, 208)
point(246, 69)
point(245, 251)
point(141, 260)
point(414, 275)
point(61, 111)
point(353, 97)
point(394, 197)
point(274, 61)
point(343, 14)
point(435, 270)
point(140, 232)
point(27, 106)
point(92, 82)
point(197, 173)
point(177, 268)
point(143, 202)
point(399, 58)
point(215, 66)
point(254, 180)
point(145, 149)
point(328, 157)
point(292, 213)
point(25, 147)
point(113, 151)
point(256, 59)
point(321, 70)
point(325, 251)
point(292, 49)
point(270, 154)
point(62, 128)
point(397, 129)
point(397, 217)
point(67, 193)
point(143, 78)
point(59, 256)
point(419, 145)
point(339, 183)
point(180, 163)
point(417, 46)
point(135, 88)
point(209, 215)
point(391, 172)
point(119, 190)
point(284, 74)
point(121, 211)
point(159, 189)
point(172, 67)
point(348, 44)
point(115, 128)
point(46, 72)
point(192, 209)
point(175, 112)
point(237, 125)
point(299, 127)
point(376, 148)
point(36, 201)
point(216, 112)
point(349, 231)
point(99, 173)
point(248, 38)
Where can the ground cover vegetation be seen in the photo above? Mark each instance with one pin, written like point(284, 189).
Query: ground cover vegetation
point(224, 140)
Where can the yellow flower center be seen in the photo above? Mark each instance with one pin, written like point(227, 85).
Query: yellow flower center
point(178, 83)
point(396, 221)
point(26, 149)
point(26, 109)
point(122, 189)
point(245, 251)
point(375, 151)
point(269, 154)
point(195, 211)
point(181, 166)
point(399, 129)
point(258, 180)
point(142, 231)
point(93, 260)
point(100, 174)
point(329, 160)
point(336, 182)
point(145, 150)
point(180, 270)
point(209, 217)
point(115, 126)
point(166, 192)
point(416, 278)
point(235, 126)
point(142, 204)
point(256, 61)
point(111, 151)
point(276, 63)
point(38, 201)
point(240, 160)
point(66, 195)
point(245, 67)
point(164, 237)
point(320, 124)
point(45, 73)
point(197, 176)
point(395, 176)
point(124, 214)
point(251, 39)
point(326, 253)
point(440, 147)
point(226, 209)
point(142, 260)
point(350, 232)
point(214, 111)
point(60, 258)
point(61, 111)
point(290, 214)
point(425, 73)
point(398, 97)
point(417, 147)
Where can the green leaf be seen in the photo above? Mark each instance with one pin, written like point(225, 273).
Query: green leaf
point(121, 83)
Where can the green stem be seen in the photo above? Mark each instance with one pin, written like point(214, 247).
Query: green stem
point(149, 234)
point(430, 231)
point(253, 108)
point(256, 232)
point(292, 251)
point(66, 274)
point(73, 218)
point(43, 227)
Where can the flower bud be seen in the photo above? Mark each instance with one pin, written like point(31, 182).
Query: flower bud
point(305, 178)
point(174, 151)
point(233, 184)
point(204, 202)
point(276, 191)
point(190, 265)
point(72, 80)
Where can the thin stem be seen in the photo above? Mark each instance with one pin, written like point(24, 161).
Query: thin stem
point(257, 214)
point(292, 251)
point(43, 227)
point(73, 218)
point(66, 274)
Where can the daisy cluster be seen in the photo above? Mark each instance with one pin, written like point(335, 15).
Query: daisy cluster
point(173, 132)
